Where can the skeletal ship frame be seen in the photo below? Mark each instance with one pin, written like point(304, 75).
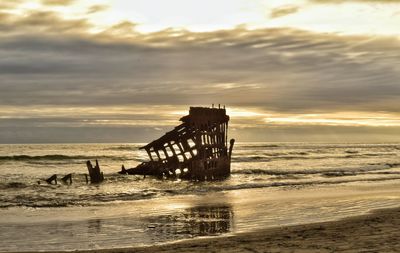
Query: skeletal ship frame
point(197, 149)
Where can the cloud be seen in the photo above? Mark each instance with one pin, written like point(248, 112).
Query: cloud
point(4, 5)
point(58, 2)
point(40, 22)
point(123, 29)
point(52, 62)
point(278, 69)
point(97, 8)
point(349, 1)
point(284, 11)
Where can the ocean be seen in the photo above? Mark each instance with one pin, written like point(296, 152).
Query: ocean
point(272, 184)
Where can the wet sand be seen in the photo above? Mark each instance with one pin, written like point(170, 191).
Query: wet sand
point(375, 232)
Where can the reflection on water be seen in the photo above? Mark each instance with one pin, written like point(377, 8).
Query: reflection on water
point(195, 221)
point(180, 223)
point(94, 226)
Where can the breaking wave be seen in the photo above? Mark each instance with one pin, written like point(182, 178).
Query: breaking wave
point(41, 201)
point(260, 146)
point(56, 158)
point(64, 195)
point(16, 185)
point(299, 184)
point(122, 148)
point(303, 156)
point(324, 171)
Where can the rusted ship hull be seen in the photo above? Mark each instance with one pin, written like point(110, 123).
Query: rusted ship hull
point(195, 150)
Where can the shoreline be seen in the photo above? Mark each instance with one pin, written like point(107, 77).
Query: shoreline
point(124, 227)
point(378, 231)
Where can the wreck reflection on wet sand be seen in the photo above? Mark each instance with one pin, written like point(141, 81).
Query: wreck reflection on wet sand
point(195, 221)
point(98, 233)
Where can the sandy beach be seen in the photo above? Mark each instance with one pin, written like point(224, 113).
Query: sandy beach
point(375, 232)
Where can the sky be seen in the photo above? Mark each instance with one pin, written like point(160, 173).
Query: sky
point(126, 71)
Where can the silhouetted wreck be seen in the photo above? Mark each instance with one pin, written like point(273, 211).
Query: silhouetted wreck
point(197, 149)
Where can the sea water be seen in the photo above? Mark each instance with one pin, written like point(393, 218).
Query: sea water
point(272, 184)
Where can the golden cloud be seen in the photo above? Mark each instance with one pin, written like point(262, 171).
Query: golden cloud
point(58, 2)
point(284, 11)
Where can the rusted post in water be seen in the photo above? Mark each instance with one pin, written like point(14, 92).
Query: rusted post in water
point(96, 176)
point(52, 179)
point(67, 178)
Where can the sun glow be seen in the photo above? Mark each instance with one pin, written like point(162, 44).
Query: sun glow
point(200, 16)
point(338, 119)
point(153, 116)
point(148, 16)
point(246, 113)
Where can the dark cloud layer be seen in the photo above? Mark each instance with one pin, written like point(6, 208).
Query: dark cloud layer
point(279, 69)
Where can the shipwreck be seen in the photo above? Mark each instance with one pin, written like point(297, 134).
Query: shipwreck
point(197, 149)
